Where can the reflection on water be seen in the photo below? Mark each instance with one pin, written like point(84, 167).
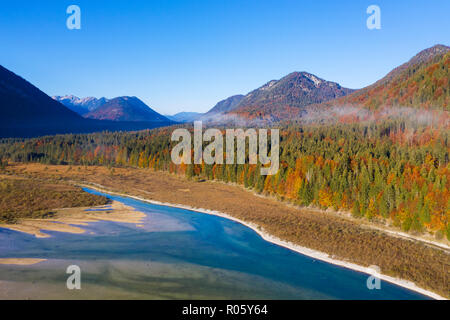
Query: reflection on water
point(174, 254)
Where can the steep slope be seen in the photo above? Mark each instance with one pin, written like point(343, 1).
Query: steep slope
point(22, 103)
point(422, 82)
point(226, 105)
point(125, 109)
point(81, 105)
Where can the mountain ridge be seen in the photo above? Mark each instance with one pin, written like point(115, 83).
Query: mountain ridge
point(81, 105)
point(125, 108)
point(421, 82)
point(225, 105)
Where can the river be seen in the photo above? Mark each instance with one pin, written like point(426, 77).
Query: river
point(175, 254)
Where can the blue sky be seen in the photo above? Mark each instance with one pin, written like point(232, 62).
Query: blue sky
point(187, 55)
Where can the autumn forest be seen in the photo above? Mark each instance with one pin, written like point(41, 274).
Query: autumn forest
point(395, 170)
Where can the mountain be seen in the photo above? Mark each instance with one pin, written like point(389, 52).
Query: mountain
point(26, 111)
point(80, 105)
point(125, 109)
point(281, 99)
point(422, 82)
point(117, 109)
point(184, 116)
point(226, 105)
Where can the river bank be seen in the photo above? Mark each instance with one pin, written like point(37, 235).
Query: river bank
point(275, 240)
point(307, 231)
point(72, 220)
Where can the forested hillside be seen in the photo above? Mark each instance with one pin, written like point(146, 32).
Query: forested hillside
point(396, 171)
point(423, 82)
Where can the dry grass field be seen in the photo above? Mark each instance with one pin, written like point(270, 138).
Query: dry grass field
point(36, 198)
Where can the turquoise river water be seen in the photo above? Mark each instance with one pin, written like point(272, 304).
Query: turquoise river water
point(175, 254)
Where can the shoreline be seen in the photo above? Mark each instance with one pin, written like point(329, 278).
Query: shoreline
point(21, 261)
point(72, 220)
point(282, 243)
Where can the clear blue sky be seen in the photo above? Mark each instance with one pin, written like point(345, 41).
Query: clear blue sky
point(187, 55)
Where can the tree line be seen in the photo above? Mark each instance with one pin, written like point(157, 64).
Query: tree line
point(393, 170)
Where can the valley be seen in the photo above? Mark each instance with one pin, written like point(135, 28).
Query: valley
point(333, 234)
point(363, 180)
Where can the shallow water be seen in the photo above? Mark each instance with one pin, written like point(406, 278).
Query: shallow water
point(175, 254)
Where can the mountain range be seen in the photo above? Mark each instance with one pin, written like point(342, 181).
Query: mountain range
point(125, 109)
point(26, 111)
point(80, 105)
point(116, 109)
point(423, 82)
point(120, 109)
